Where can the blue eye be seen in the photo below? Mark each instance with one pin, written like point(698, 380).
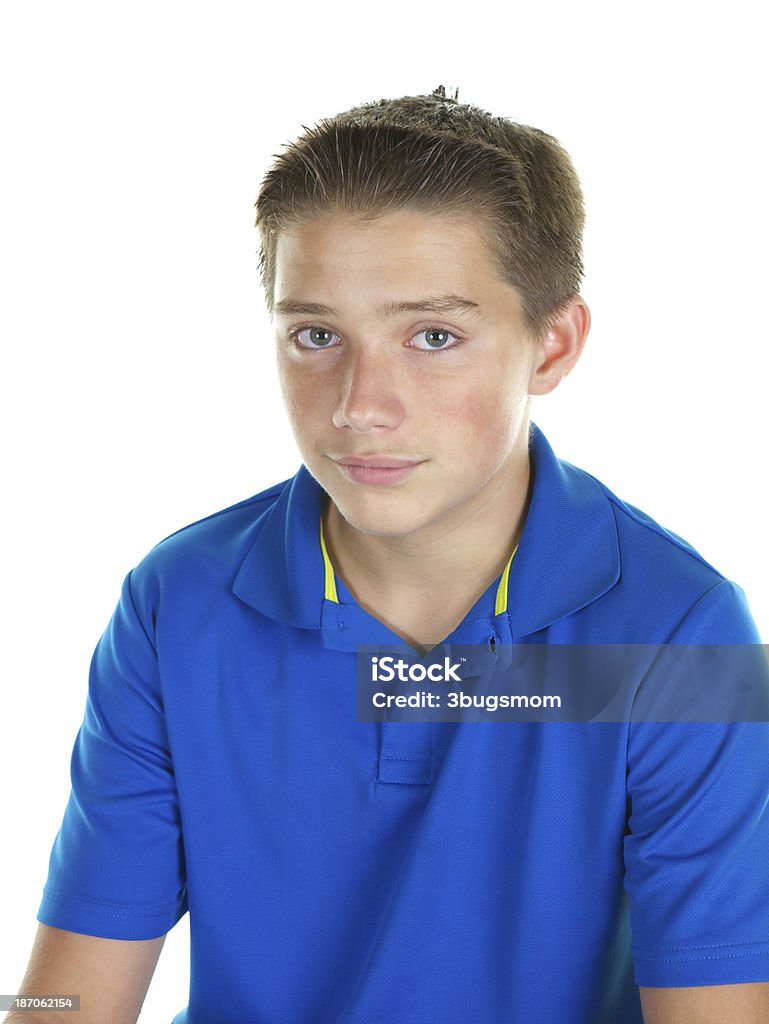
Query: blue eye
point(436, 338)
point(319, 337)
point(313, 339)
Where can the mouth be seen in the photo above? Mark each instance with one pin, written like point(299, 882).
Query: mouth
point(379, 470)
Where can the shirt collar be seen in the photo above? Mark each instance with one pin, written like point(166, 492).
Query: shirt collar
point(568, 555)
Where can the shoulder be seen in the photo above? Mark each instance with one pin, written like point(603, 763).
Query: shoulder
point(594, 520)
point(666, 586)
point(595, 562)
point(206, 551)
point(642, 537)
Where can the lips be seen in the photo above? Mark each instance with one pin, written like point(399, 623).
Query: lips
point(377, 470)
point(377, 461)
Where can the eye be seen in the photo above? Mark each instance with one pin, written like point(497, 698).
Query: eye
point(314, 337)
point(435, 338)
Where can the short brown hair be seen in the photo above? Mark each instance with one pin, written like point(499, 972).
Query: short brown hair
point(434, 154)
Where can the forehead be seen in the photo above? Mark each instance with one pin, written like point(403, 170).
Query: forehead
point(402, 252)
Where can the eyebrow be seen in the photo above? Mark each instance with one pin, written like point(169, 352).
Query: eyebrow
point(429, 304)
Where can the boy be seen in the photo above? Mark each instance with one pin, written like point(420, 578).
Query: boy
point(421, 260)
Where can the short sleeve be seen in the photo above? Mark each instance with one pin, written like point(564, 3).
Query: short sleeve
point(117, 865)
point(697, 848)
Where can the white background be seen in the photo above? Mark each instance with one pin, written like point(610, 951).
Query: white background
point(138, 389)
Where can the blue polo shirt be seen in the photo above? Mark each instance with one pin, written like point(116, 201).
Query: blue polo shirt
point(338, 871)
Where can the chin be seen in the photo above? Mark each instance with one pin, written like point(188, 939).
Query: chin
point(375, 517)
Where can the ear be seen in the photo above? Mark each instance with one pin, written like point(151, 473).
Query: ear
point(557, 351)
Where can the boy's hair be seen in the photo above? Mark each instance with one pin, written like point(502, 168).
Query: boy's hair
point(436, 155)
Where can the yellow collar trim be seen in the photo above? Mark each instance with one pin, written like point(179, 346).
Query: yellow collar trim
point(500, 605)
point(330, 594)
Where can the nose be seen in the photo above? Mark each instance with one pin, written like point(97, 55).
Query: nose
point(369, 397)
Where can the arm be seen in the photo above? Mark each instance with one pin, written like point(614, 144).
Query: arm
point(111, 976)
point(117, 864)
point(696, 869)
point(707, 1004)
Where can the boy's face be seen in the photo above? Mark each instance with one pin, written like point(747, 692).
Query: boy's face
point(411, 419)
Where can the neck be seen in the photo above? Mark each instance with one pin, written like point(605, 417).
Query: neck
point(456, 558)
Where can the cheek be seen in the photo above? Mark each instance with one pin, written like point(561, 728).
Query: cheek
point(301, 394)
point(489, 412)
point(292, 399)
